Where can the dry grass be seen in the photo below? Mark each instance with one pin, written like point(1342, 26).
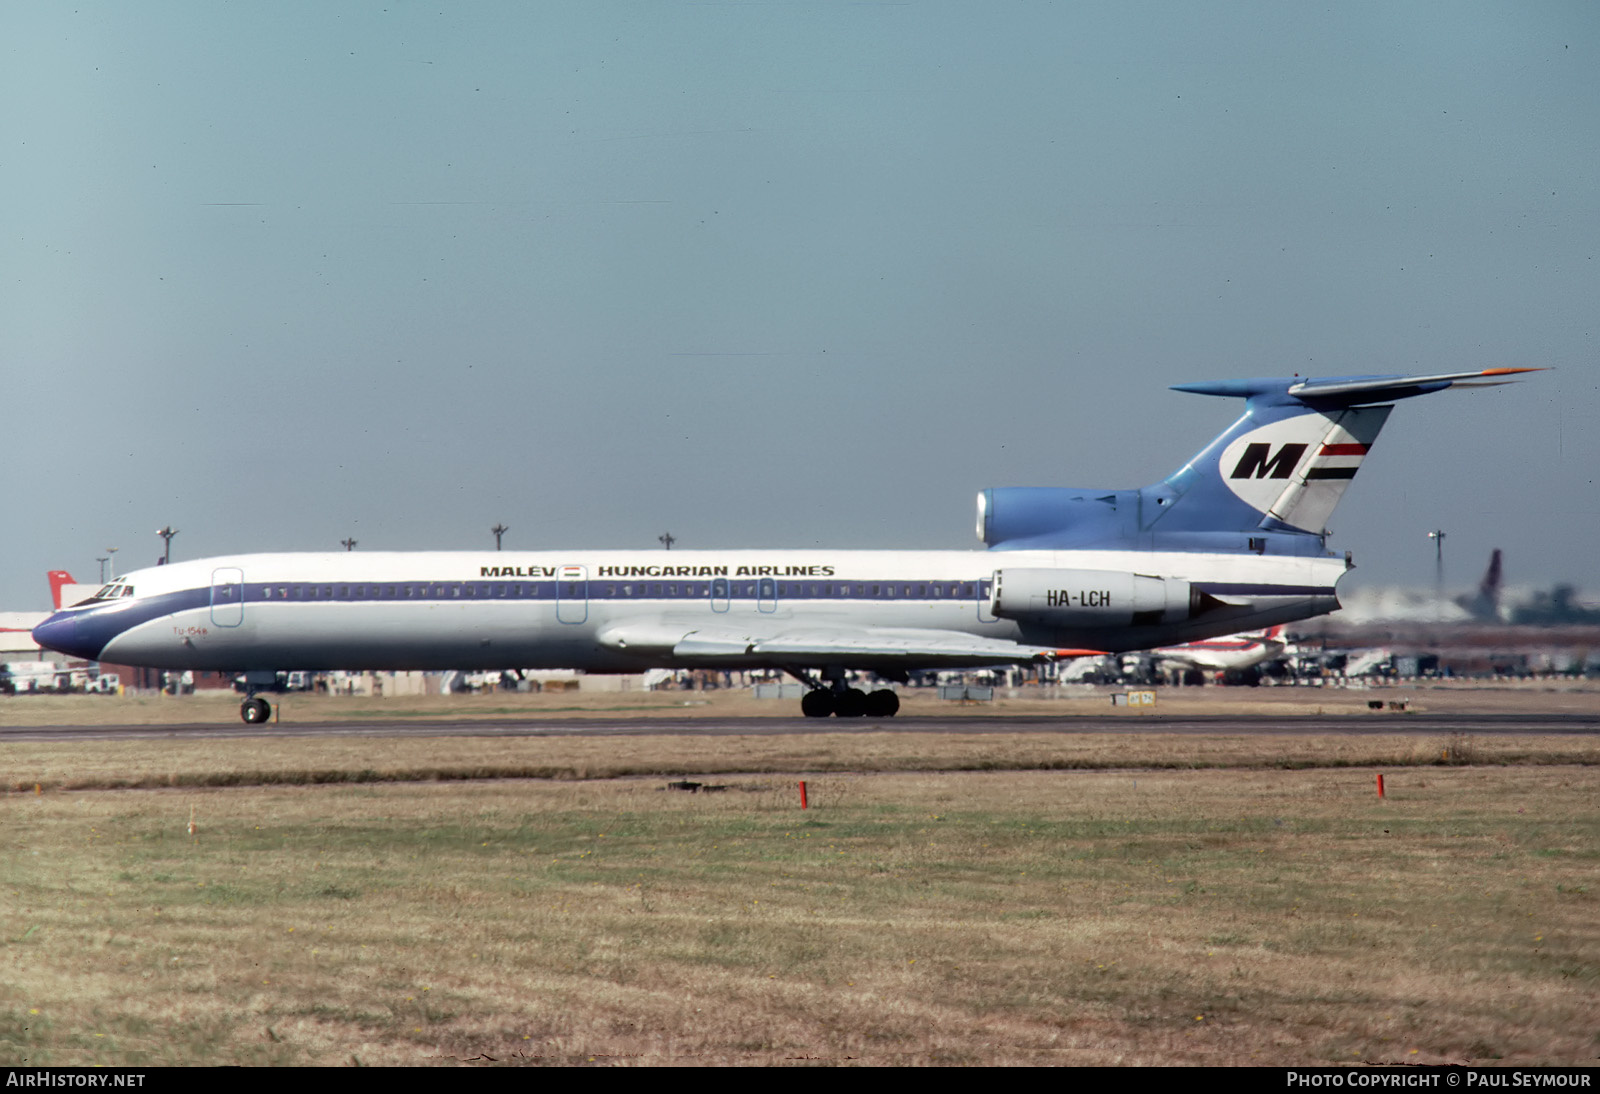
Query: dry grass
point(1067, 916)
point(268, 761)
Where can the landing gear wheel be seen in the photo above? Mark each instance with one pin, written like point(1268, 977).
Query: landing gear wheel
point(817, 703)
point(883, 703)
point(850, 703)
point(255, 711)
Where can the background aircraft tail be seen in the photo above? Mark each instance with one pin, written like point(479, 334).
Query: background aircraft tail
point(59, 580)
point(1485, 604)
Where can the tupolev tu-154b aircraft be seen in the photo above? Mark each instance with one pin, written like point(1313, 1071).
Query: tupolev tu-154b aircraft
point(1234, 540)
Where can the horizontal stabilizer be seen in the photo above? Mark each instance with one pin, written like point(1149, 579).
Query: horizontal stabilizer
point(1350, 390)
point(1388, 387)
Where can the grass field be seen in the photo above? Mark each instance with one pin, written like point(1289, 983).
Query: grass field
point(924, 910)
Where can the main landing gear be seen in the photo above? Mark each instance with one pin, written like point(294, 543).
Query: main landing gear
point(850, 703)
point(839, 699)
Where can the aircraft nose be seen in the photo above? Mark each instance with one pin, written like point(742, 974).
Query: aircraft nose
point(60, 633)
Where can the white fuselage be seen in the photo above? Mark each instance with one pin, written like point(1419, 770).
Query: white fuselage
point(600, 610)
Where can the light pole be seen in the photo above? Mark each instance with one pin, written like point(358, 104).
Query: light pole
point(349, 544)
point(1438, 572)
point(102, 562)
point(166, 534)
point(112, 551)
point(666, 539)
point(498, 530)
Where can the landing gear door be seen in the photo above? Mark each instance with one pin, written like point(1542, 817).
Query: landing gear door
point(572, 595)
point(227, 596)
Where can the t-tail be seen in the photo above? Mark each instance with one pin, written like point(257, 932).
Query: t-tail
point(1268, 484)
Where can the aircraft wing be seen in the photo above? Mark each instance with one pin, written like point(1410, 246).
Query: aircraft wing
point(863, 647)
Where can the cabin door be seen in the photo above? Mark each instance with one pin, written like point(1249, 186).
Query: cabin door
point(227, 596)
point(572, 595)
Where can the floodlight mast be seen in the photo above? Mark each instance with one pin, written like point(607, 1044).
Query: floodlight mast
point(498, 530)
point(166, 550)
point(1438, 571)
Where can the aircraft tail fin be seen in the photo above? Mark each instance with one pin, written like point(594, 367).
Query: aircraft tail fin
point(59, 579)
point(1485, 604)
point(1270, 481)
point(1286, 463)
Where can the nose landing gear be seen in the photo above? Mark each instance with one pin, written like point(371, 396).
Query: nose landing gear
point(255, 711)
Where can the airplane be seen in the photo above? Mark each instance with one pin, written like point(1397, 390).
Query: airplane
point(1229, 653)
point(1234, 540)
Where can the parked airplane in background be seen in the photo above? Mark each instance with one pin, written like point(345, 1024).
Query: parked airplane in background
point(1229, 653)
point(1234, 539)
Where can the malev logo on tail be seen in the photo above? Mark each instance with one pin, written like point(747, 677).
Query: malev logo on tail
point(1296, 469)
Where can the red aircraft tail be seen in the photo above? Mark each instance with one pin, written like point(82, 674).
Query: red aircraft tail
point(58, 580)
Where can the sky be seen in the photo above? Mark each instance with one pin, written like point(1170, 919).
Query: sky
point(804, 274)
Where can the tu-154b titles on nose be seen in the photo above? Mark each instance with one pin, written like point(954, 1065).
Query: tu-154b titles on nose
point(1233, 540)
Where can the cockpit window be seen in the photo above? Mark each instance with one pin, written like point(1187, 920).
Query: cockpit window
point(111, 592)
